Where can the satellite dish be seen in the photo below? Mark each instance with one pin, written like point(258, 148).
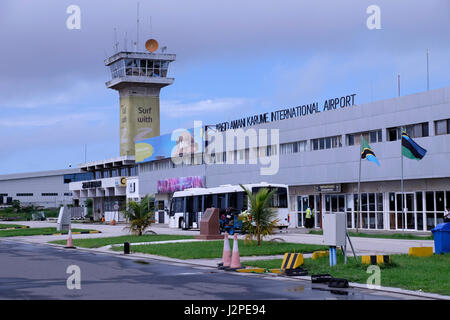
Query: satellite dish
point(151, 45)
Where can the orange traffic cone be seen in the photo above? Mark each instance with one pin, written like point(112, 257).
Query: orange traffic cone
point(226, 256)
point(69, 244)
point(235, 259)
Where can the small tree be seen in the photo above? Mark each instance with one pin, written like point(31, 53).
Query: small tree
point(16, 205)
point(139, 216)
point(260, 219)
point(89, 203)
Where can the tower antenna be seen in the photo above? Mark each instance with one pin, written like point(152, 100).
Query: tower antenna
point(125, 43)
point(116, 43)
point(151, 29)
point(137, 27)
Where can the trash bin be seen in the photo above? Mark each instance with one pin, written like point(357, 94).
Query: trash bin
point(441, 235)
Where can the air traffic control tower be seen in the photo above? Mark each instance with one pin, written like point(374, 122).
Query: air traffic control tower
point(139, 77)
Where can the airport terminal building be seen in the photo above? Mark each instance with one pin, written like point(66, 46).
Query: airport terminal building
point(313, 148)
point(48, 189)
point(319, 153)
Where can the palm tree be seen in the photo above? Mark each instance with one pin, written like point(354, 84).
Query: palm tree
point(139, 216)
point(261, 219)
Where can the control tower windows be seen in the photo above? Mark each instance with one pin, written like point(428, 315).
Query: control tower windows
point(140, 68)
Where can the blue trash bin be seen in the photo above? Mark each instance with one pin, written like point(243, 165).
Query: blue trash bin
point(441, 235)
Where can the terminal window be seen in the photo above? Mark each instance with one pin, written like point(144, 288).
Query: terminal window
point(442, 127)
point(417, 130)
point(326, 143)
point(370, 136)
point(24, 194)
point(293, 147)
point(49, 194)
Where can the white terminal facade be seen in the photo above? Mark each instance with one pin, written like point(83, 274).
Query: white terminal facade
point(318, 157)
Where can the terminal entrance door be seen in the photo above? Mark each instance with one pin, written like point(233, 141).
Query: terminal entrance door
point(302, 205)
point(404, 220)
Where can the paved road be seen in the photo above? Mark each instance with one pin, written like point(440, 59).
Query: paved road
point(36, 271)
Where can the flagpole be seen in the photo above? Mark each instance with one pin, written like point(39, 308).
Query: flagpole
point(359, 186)
point(402, 187)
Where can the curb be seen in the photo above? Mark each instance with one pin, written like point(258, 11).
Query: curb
point(16, 228)
point(76, 232)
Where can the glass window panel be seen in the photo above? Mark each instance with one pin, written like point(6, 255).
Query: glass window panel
point(364, 201)
point(409, 131)
point(321, 143)
point(391, 202)
point(355, 202)
point(302, 146)
point(392, 134)
point(372, 220)
point(439, 200)
point(399, 202)
point(328, 143)
point(327, 203)
point(373, 136)
point(429, 199)
point(448, 199)
point(409, 202)
point(430, 220)
point(417, 131)
point(366, 136)
point(341, 203)
point(350, 139)
point(334, 203)
point(425, 130)
point(380, 222)
point(379, 202)
point(380, 138)
point(441, 127)
point(371, 201)
point(419, 202)
point(419, 220)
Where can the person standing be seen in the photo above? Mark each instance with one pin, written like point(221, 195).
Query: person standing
point(309, 218)
point(447, 214)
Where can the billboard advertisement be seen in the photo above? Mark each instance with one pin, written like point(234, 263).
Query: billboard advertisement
point(179, 143)
point(179, 184)
point(139, 120)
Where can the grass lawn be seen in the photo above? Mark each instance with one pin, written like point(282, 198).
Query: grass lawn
point(27, 216)
point(404, 236)
point(101, 242)
point(430, 274)
point(34, 232)
point(7, 226)
point(214, 249)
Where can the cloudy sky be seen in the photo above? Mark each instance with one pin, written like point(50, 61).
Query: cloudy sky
point(234, 58)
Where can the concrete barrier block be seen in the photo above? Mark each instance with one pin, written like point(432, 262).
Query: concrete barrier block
point(420, 251)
